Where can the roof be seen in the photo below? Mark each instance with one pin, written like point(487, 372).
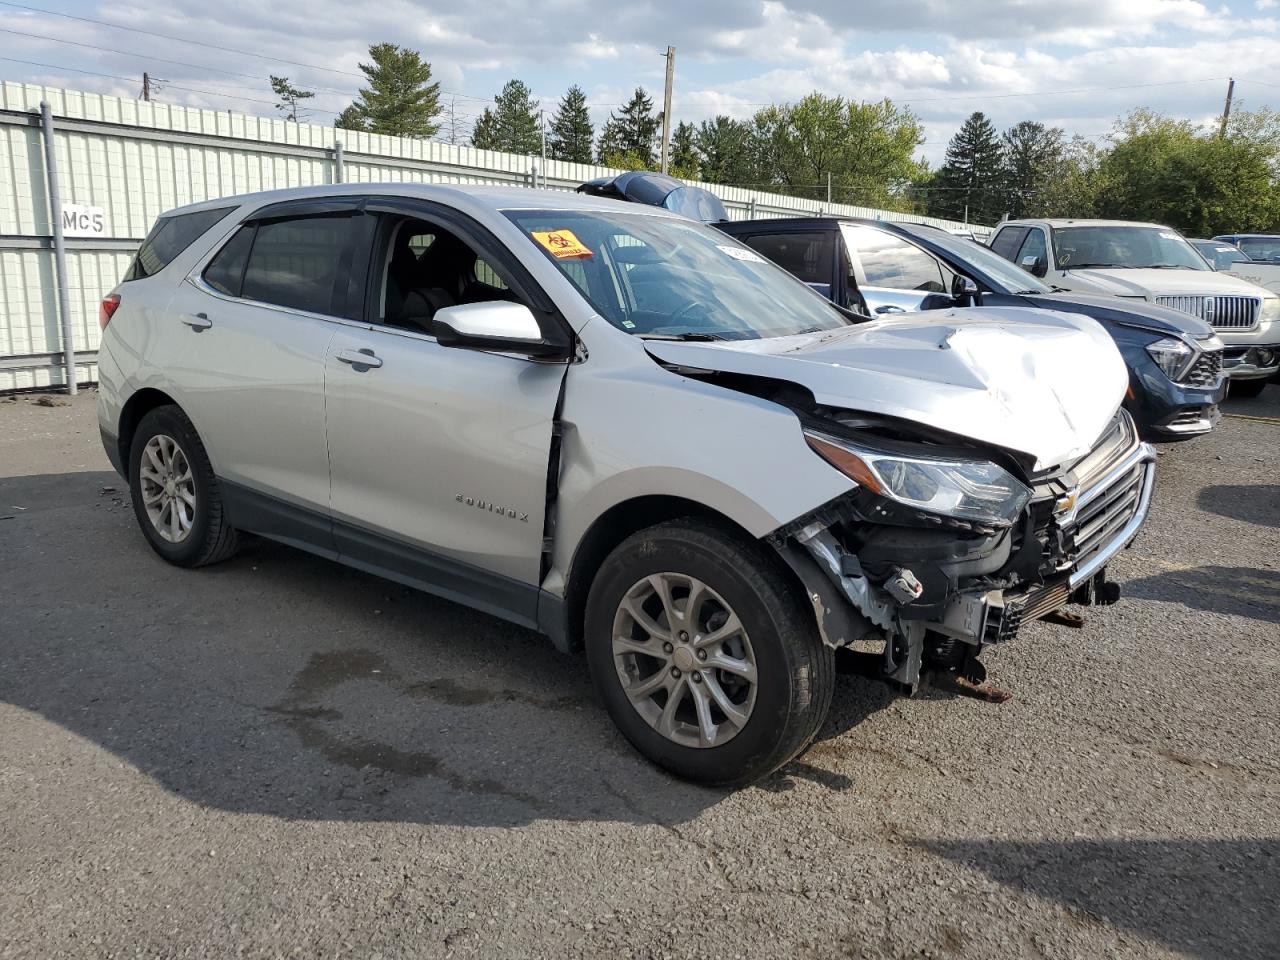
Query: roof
point(1062, 222)
point(462, 195)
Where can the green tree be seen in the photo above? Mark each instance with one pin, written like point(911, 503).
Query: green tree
point(288, 97)
point(970, 177)
point(1073, 189)
point(632, 131)
point(400, 99)
point(725, 150)
point(571, 135)
point(684, 152)
point(1172, 172)
point(1031, 158)
point(866, 148)
point(511, 124)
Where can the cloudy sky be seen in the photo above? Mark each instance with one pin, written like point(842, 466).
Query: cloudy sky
point(1077, 64)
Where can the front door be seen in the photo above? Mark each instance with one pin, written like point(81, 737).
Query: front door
point(439, 455)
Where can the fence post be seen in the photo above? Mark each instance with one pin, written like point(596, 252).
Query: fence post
point(751, 209)
point(339, 172)
point(59, 247)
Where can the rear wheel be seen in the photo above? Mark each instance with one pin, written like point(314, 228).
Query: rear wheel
point(176, 497)
point(1247, 388)
point(703, 655)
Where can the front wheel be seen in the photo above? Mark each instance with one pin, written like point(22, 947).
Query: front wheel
point(176, 497)
point(703, 655)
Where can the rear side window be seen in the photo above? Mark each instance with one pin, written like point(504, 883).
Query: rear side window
point(225, 272)
point(296, 263)
point(169, 237)
point(804, 255)
point(1007, 240)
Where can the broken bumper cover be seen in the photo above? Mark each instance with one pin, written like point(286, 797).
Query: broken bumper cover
point(984, 607)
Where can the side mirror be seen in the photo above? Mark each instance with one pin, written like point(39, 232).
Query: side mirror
point(964, 290)
point(497, 325)
point(1034, 266)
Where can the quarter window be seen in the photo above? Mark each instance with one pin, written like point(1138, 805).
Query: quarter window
point(295, 263)
point(169, 237)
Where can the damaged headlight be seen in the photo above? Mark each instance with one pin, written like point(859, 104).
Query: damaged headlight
point(1170, 356)
point(975, 490)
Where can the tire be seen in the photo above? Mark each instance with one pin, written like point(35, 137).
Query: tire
point(1247, 388)
point(773, 710)
point(168, 466)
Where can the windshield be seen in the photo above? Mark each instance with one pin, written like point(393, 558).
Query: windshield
point(1221, 255)
point(662, 277)
point(1260, 248)
point(1007, 277)
point(1077, 248)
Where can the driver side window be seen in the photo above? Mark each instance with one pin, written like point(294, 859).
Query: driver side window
point(888, 261)
point(1033, 246)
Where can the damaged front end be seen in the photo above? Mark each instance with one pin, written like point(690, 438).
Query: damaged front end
point(943, 548)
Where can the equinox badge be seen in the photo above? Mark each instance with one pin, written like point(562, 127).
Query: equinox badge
point(492, 507)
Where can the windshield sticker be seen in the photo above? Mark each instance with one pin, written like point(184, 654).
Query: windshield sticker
point(562, 244)
point(1166, 235)
point(741, 253)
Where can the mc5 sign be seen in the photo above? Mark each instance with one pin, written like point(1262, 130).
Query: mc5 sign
point(79, 220)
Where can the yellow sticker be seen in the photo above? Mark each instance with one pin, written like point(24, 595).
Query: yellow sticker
point(562, 244)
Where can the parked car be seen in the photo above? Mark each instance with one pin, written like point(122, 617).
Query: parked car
point(1146, 261)
point(1258, 247)
point(623, 429)
point(659, 190)
point(1226, 256)
point(1174, 360)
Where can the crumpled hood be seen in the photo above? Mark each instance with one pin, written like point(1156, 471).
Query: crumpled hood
point(1040, 382)
point(1158, 283)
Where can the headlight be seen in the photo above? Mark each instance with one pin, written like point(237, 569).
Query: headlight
point(1270, 312)
point(1170, 356)
point(974, 490)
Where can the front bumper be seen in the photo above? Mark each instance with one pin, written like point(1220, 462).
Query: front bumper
point(1165, 409)
point(1251, 362)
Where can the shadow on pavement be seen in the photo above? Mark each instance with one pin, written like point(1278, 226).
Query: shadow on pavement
point(1234, 591)
point(1215, 899)
point(1258, 504)
point(284, 684)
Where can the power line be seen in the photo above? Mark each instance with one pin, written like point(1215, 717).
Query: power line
point(211, 46)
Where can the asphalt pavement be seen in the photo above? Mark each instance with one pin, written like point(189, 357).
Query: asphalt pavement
point(278, 756)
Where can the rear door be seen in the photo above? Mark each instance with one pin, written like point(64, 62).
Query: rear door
point(439, 456)
point(258, 316)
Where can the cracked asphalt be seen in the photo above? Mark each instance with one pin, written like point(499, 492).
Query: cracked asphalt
point(278, 756)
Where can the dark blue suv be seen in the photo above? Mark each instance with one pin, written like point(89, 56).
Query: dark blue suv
point(877, 268)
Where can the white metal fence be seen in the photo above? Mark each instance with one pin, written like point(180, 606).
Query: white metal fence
point(133, 160)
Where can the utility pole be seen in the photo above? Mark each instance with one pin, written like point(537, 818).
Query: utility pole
point(542, 126)
point(828, 188)
point(146, 87)
point(453, 121)
point(666, 109)
point(1226, 107)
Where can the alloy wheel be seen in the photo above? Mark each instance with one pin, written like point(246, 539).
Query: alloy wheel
point(168, 488)
point(684, 660)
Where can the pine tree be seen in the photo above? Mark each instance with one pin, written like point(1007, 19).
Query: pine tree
point(1033, 157)
point(511, 124)
point(971, 174)
point(288, 96)
point(400, 100)
point(571, 133)
point(633, 132)
point(684, 152)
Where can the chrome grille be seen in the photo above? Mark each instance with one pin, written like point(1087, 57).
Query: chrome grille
point(1205, 371)
point(1107, 512)
point(1224, 313)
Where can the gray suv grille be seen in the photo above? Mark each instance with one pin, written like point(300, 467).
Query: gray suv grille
point(1224, 313)
point(1205, 371)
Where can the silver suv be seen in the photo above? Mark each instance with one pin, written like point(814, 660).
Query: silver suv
point(623, 429)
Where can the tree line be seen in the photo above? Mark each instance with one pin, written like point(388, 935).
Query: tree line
point(1151, 167)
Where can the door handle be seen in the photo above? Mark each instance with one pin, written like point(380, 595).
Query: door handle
point(890, 308)
point(197, 322)
point(364, 357)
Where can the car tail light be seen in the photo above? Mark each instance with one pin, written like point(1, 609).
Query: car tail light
point(110, 304)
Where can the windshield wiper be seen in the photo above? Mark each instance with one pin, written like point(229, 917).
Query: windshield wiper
point(1166, 266)
point(688, 335)
point(1096, 266)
